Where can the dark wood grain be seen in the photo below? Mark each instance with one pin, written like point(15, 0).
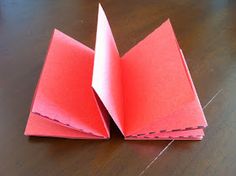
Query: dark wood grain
point(206, 31)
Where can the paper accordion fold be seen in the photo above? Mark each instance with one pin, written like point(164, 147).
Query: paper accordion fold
point(148, 92)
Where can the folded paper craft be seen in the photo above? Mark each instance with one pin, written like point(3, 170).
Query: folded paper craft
point(148, 92)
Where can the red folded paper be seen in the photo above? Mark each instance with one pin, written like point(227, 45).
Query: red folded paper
point(148, 92)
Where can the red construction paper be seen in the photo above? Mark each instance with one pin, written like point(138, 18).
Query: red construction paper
point(106, 72)
point(196, 134)
point(157, 89)
point(64, 93)
point(41, 126)
point(148, 92)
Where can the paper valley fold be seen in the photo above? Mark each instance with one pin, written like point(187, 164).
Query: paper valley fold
point(148, 92)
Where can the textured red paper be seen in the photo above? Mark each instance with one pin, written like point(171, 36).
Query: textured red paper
point(148, 92)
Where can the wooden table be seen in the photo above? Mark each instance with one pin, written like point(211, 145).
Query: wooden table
point(206, 31)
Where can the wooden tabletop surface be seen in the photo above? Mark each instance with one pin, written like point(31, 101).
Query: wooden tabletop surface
point(206, 31)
